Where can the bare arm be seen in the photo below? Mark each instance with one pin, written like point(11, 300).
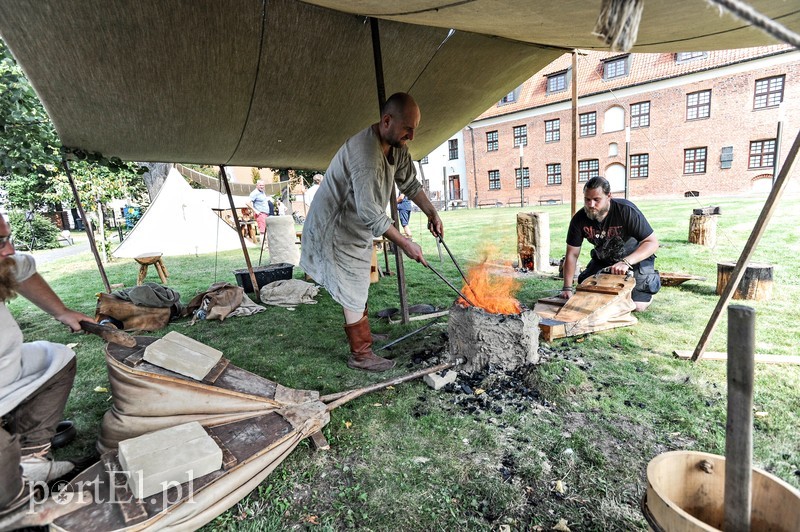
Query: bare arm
point(570, 263)
point(38, 292)
point(647, 247)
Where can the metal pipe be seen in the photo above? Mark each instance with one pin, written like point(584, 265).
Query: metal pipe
point(409, 335)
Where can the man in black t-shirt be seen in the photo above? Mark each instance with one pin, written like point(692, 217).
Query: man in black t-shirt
point(622, 240)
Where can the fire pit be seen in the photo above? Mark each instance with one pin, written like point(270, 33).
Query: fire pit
point(480, 338)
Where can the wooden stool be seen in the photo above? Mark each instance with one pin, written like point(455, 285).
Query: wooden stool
point(146, 260)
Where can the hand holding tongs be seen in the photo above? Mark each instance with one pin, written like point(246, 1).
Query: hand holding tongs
point(439, 239)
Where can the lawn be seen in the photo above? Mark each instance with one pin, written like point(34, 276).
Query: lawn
point(567, 439)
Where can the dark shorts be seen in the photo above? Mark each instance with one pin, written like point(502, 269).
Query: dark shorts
point(648, 281)
point(404, 216)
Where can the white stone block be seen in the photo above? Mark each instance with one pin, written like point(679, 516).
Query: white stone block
point(181, 354)
point(437, 382)
point(155, 461)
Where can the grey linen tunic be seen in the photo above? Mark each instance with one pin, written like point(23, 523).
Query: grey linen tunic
point(349, 210)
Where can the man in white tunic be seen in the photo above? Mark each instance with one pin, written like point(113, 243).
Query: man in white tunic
point(35, 380)
point(350, 210)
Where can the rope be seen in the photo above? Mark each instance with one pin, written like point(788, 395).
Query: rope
point(743, 11)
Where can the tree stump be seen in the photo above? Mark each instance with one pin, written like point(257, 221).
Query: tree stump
point(756, 282)
point(703, 229)
point(533, 240)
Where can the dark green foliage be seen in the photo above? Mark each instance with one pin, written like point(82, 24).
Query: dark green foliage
point(41, 231)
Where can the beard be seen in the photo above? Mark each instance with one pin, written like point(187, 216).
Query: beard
point(8, 279)
point(599, 215)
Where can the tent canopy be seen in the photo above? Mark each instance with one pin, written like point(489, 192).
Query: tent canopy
point(283, 83)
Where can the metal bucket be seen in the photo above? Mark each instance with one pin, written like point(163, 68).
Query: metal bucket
point(685, 492)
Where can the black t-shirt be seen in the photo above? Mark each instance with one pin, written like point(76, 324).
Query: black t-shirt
point(616, 237)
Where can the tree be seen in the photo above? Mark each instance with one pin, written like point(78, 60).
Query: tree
point(30, 151)
point(29, 146)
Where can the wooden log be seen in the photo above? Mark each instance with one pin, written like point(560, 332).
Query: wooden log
point(756, 282)
point(703, 229)
point(533, 240)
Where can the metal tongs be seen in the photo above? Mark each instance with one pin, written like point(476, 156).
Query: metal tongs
point(439, 239)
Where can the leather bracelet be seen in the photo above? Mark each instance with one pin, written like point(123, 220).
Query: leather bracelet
point(564, 288)
point(628, 264)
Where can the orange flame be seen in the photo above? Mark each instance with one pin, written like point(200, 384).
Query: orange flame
point(492, 293)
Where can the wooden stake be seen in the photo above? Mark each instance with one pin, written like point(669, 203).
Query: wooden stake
point(739, 427)
point(87, 225)
point(253, 280)
point(761, 224)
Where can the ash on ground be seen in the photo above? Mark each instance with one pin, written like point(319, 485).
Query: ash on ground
point(492, 391)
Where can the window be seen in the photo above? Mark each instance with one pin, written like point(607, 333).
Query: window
point(494, 179)
point(769, 92)
point(520, 136)
point(698, 105)
point(554, 174)
point(492, 144)
point(588, 123)
point(726, 157)
point(452, 149)
point(640, 166)
point(588, 169)
point(616, 67)
point(557, 82)
point(552, 130)
point(511, 97)
point(694, 160)
point(762, 154)
point(682, 57)
point(526, 177)
point(640, 114)
point(424, 160)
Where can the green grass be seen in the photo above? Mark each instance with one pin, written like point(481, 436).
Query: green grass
point(410, 458)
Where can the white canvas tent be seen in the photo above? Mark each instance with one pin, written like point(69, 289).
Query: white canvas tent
point(178, 222)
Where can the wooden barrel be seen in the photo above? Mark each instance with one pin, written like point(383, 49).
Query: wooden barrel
point(703, 229)
point(756, 282)
point(685, 491)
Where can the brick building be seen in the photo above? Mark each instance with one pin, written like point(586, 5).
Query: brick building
point(701, 121)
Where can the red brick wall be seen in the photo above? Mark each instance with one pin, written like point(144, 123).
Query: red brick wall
point(732, 122)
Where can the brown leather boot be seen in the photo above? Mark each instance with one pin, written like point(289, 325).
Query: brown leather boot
point(376, 337)
point(361, 355)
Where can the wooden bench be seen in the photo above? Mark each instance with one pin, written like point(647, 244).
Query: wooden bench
point(490, 203)
point(551, 199)
point(518, 201)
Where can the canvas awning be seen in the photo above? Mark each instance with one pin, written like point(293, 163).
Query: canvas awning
point(283, 83)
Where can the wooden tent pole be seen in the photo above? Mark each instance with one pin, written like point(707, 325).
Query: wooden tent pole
point(224, 178)
point(87, 225)
point(573, 184)
point(755, 236)
point(398, 254)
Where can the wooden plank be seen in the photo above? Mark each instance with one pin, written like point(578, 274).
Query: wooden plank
point(755, 236)
point(131, 508)
point(319, 441)
point(759, 357)
point(212, 376)
point(676, 278)
point(598, 289)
